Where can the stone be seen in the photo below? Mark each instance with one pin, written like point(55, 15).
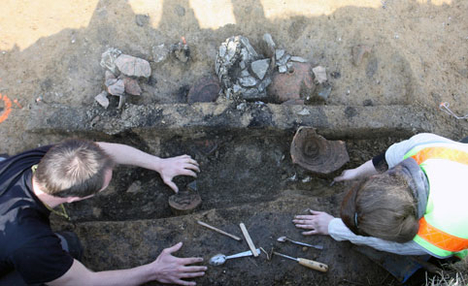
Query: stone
point(236, 88)
point(323, 91)
point(117, 88)
point(320, 74)
point(141, 20)
point(222, 50)
point(131, 86)
point(260, 67)
point(231, 49)
point(246, 43)
point(270, 44)
point(160, 53)
point(298, 59)
point(242, 65)
point(102, 99)
point(108, 59)
point(245, 73)
point(279, 54)
point(110, 78)
point(133, 66)
point(283, 60)
point(248, 81)
point(264, 84)
point(282, 68)
point(135, 187)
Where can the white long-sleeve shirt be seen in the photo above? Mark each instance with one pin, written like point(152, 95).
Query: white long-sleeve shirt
point(394, 155)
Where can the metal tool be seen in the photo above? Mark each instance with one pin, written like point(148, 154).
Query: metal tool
point(306, 262)
point(219, 259)
point(284, 239)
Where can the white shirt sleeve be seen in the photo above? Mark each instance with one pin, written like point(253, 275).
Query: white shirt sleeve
point(339, 232)
point(397, 151)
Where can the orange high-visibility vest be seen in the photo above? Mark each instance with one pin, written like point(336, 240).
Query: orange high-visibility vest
point(443, 230)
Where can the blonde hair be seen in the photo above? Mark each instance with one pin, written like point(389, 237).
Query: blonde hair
point(382, 206)
point(73, 168)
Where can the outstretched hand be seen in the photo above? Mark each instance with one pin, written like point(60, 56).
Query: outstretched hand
point(171, 269)
point(315, 223)
point(176, 166)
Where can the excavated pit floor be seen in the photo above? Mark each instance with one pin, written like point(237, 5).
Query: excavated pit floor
point(246, 176)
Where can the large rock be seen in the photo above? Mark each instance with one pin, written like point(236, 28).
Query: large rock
point(133, 66)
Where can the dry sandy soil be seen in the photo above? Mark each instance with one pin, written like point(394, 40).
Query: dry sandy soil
point(50, 52)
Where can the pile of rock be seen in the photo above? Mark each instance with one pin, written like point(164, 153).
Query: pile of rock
point(122, 74)
point(277, 77)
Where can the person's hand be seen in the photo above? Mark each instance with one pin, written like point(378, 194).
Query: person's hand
point(316, 222)
point(346, 175)
point(176, 166)
point(171, 269)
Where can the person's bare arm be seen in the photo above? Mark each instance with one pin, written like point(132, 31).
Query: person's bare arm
point(365, 170)
point(165, 269)
point(168, 168)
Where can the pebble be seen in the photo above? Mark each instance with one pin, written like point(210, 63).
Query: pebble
point(142, 20)
point(320, 74)
point(102, 99)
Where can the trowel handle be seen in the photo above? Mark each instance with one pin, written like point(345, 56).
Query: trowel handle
point(313, 264)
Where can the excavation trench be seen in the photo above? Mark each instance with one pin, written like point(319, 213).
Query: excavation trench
point(247, 175)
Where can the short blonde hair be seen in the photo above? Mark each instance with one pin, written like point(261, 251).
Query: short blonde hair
point(74, 167)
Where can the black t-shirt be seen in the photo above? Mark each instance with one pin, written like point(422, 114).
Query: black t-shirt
point(27, 243)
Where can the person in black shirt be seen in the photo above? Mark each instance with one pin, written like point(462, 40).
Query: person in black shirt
point(34, 182)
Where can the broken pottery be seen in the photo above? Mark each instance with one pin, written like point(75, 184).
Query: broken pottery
point(317, 154)
point(186, 200)
point(204, 90)
point(294, 85)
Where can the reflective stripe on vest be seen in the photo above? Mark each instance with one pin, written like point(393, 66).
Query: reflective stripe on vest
point(437, 160)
